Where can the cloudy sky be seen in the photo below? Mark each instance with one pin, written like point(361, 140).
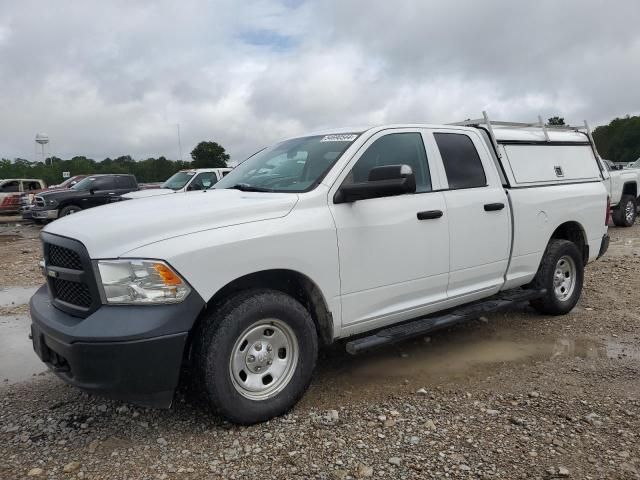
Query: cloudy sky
point(107, 78)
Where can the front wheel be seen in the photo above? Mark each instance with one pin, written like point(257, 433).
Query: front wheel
point(255, 355)
point(561, 274)
point(68, 210)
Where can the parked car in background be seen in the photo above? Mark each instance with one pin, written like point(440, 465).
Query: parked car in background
point(11, 190)
point(380, 234)
point(89, 192)
point(26, 199)
point(612, 165)
point(622, 185)
point(68, 183)
point(635, 164)
point(147, 186)
point(183, 181)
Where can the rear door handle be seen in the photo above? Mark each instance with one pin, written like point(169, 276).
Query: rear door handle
point(492, 207)
point(429, 214)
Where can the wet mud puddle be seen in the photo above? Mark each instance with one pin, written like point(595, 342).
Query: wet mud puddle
point(453, 359)
point(18, 361)
point(625, 247)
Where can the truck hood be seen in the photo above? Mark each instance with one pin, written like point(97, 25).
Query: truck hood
point(110, 231)
point(149, 192)
point(62, 193)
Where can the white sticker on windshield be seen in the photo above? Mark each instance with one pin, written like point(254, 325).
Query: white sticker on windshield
point(343, 137)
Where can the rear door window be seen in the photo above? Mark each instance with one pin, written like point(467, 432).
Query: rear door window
point(30, 185)
point(461, 161)
point(104, 183)
point(203, 181)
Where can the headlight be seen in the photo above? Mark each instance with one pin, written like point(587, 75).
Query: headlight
point(141, 282)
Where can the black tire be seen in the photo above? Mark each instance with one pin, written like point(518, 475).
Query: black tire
point(624, 215)
point(68, 210)
point(551, 303)
point(215, 343)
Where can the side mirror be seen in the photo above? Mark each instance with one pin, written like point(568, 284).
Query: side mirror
point(386, 181)
point(92, 191)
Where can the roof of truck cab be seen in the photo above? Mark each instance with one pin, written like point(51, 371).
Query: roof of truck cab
point(506, 134)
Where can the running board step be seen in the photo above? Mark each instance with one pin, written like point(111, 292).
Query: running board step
point(425, 325)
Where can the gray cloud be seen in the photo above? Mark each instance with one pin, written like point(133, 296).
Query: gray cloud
point(111, 78)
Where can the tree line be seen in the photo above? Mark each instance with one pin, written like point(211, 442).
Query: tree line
point(204, 155)
point(620, 140)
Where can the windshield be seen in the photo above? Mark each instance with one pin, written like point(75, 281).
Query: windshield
point(84, 184)
point(295, 165)
point(178, 180)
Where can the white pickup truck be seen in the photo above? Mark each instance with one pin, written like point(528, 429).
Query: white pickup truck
point(380, 232)
point(183, 181)
point(622, 185)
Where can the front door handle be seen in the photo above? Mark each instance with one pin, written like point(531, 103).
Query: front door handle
point(429, 214)
point(492, 207)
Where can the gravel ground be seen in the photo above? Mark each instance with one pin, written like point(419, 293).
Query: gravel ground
point(513, 395)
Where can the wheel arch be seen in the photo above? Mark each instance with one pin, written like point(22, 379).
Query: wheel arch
point(291, 282)
point(68, 203)
point(574, 232)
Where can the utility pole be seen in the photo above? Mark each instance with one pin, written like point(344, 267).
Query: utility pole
point(179, 142)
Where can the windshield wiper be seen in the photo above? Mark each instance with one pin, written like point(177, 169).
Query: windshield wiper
point(245, 187)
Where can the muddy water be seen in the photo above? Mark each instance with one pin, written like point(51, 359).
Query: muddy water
point(451, 357)
point(624, 247)
point(14, 296)
point(18, 361)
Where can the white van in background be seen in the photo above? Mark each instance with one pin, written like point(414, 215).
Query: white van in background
point(183, 181)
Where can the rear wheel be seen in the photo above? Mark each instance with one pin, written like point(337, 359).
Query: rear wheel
point(255, 355)
point(625, 214)
point(561, 274)
point(68, 210)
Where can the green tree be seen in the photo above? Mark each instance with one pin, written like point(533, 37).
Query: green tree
point(619, 141)
point(556, 121)
point(209, 155)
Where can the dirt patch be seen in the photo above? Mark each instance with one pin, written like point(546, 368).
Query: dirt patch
point(20, 254)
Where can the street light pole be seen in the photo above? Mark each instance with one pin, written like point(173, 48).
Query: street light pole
point(179, 141)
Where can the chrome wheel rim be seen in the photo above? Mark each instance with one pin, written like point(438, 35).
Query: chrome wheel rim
point(628, 212)
point(564, 278)
point(72, 211)
point(263, 359)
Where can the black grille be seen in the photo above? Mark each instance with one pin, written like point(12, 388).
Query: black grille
point(72, 292)
point(63, 257)
point(72, 284)
point(39, 202)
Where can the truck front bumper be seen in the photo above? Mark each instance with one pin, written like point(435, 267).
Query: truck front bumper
point(43, 214)
point(130, 353)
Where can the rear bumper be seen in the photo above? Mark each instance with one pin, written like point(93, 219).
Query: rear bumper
point(133, 354)
point(604, 245)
